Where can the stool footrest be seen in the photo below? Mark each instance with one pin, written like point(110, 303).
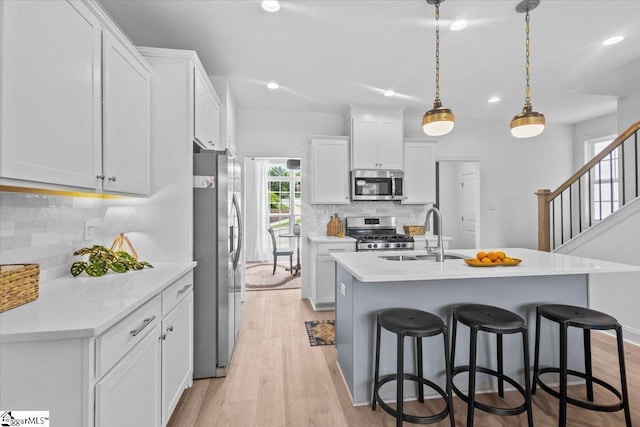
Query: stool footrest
point(576, 402)
point(488, 408)
point(407, 417)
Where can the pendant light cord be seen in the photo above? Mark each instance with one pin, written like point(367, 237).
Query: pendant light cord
point(527, 99)
point(438, 52)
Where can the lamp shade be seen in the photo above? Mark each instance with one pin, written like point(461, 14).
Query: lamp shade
point(121, 219)
point(527, 124)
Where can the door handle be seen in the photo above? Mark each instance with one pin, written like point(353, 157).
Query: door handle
point(145, 323)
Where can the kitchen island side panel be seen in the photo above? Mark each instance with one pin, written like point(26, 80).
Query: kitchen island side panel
point(518, 294)
point(345, 332)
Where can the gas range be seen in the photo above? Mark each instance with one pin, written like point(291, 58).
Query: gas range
point(377, 234)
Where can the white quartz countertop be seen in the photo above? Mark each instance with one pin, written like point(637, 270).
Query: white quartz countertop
point(84, 306)
point(331, 239)
point(369, 267)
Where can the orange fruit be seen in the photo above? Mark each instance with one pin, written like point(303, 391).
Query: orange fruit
point(501, 255)
point(481, 255)
point(507, 260)
point(486, 260)
point(492, 256)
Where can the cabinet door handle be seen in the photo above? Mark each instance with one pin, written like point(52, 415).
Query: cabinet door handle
point(100, 176)
point(112, 178)
point(336, 250)
point(211, 142)
point(163, 337)
point(170, 328)
point(145, 323)
point(184, 289)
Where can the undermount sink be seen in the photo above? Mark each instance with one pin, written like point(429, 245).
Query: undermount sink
point(416, 257)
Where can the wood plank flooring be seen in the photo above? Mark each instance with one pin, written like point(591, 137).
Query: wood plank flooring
point(277, 379)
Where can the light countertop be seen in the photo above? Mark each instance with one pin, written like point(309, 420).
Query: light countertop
point(331, 239)
point(84, 306)
point(368, 267)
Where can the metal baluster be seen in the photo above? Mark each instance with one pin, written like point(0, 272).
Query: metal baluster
point(571, 211)
point(580, 204)
point(562, 218)
point(589, 193)
point(600, 188)
point(635, 156)
point(553, 216)
point(621, 176)
point(611, 180)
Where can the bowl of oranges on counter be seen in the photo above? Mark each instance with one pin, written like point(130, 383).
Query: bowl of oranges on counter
point(492, 259)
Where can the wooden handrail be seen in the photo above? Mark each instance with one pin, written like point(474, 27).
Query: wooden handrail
point(591, 163)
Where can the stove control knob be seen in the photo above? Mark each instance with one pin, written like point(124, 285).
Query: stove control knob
point(369, 246)
point(404, 245)
point(386, 245)
point(397, 245)
point(375, 245)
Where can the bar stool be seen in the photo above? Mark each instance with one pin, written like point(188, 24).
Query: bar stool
point(418, 324)
point(498, 321)
point(587, 320)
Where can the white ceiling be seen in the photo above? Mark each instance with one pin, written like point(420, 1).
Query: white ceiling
point(327, 54)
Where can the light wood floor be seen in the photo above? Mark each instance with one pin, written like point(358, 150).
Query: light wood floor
point(277, 379)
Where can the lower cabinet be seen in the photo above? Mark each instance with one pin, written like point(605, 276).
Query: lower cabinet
point(130, 393)
point(177, 355)
point(323, 271)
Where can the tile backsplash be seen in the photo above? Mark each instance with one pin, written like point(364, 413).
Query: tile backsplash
point(44, 229)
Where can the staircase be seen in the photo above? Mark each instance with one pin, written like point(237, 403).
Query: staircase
point(603, 191)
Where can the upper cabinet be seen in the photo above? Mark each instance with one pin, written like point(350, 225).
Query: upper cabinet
point(75, 99)
point(329, 170)
point(419, 171)
point(206, 130)
point(376, 138)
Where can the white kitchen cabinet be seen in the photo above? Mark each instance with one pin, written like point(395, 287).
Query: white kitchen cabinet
point(130, 393)
point(329, 170)
point(323, 270)
point(206, 129)
point(376, 138)
point(111, 365)
point(73, 89)
point(419, 172)
point(51, 114)
point(127, 87)
point(177, 355)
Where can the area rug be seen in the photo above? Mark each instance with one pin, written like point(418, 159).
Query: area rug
point(321, 332)
point(259, 276)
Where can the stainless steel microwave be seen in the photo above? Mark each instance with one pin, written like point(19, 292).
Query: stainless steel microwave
point(376, 184)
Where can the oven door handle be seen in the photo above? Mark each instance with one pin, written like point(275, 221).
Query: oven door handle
point(393, 187)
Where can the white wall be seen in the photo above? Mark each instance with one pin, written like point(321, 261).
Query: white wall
point(628, 111)
point(616, 239)
point(450, 201)
point(511, 170)
point(588, 130)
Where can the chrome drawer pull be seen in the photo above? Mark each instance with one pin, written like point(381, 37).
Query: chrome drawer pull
point(145, 323)
point(184, 289)
point(170, 328)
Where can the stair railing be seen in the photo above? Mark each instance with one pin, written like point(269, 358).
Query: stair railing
point(563, 214)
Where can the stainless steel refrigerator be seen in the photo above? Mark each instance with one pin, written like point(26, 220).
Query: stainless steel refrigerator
point(217, 249)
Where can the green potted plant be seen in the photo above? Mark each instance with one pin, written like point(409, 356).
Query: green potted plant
point(102, 259)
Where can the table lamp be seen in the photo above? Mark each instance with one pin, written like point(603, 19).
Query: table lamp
point(121, 220)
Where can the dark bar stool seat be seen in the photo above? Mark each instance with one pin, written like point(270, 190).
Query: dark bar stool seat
point(418, 324)
point(587, 320)
point(498, 321)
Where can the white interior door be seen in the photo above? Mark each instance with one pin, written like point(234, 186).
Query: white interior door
point(469, 207)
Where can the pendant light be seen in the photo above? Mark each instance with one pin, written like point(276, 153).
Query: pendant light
point(528, 123)
point(439, 120)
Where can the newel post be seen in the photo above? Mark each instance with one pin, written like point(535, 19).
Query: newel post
point(544, 225)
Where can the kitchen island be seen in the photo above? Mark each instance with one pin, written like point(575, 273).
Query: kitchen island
point(366, 283)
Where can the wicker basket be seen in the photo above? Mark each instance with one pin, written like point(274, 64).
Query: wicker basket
point(414, 229)
point(19, 284)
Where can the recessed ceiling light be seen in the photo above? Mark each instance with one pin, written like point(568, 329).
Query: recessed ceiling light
point(270, 5)
point(612, 40)
point(458, 25)
point(389, 93)
point(493, 99)
point(273, 85)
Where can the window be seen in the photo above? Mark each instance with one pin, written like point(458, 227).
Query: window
point(605, 189)
point(285, 204)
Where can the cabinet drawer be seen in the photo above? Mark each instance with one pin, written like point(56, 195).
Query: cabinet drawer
point(117, 341)
point(327, 248)
point(179, 289)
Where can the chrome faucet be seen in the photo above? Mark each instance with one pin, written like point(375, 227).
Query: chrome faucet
point(440, 248)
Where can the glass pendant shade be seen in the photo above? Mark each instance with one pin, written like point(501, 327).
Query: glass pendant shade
point(438, 121)
point(528, 123)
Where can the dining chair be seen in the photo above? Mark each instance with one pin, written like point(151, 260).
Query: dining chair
point(280, 252)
